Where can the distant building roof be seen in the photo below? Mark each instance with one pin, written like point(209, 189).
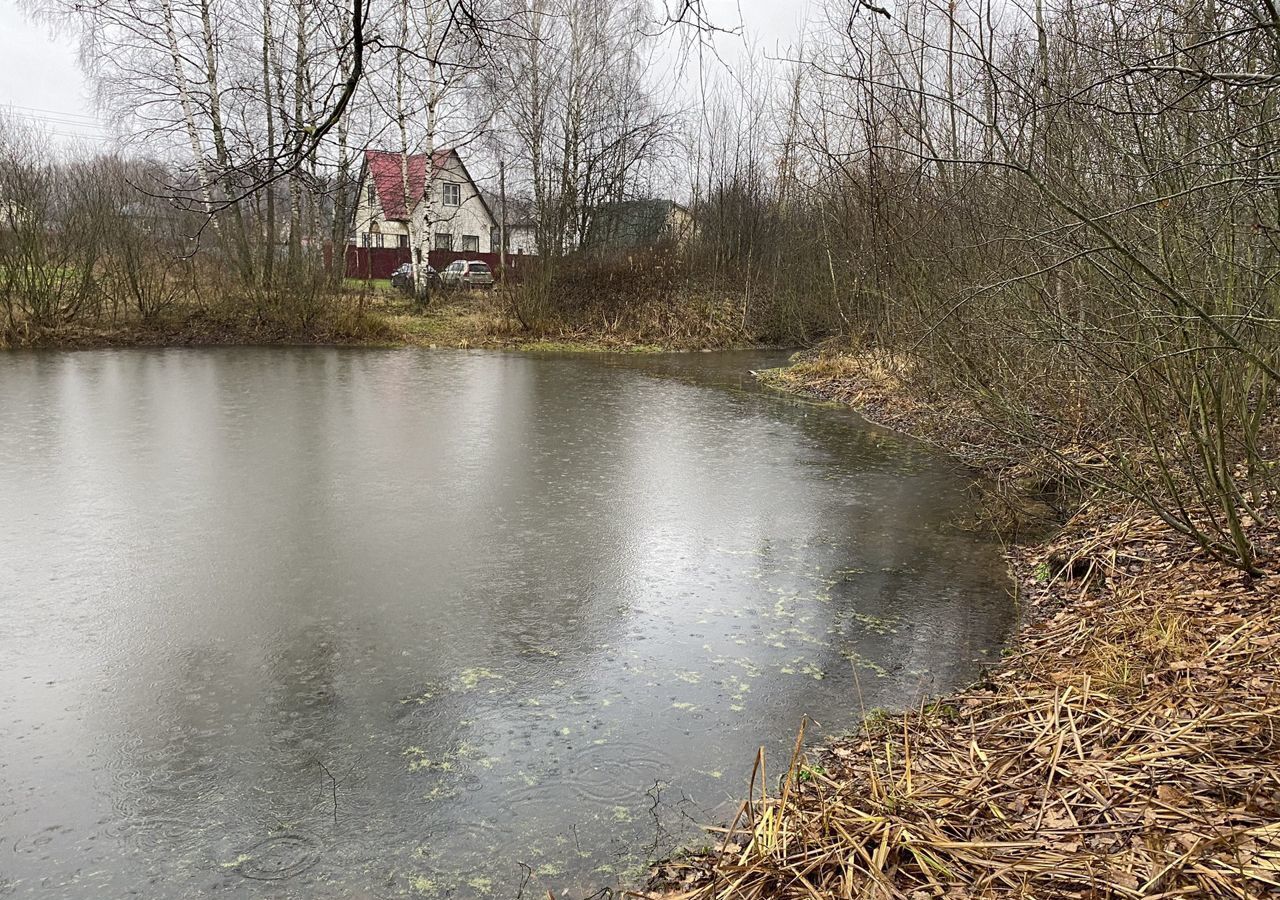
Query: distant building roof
point(633, 222)
point(389, 178)
point(520, 211)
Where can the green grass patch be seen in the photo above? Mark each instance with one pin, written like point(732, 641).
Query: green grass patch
point(378, 285)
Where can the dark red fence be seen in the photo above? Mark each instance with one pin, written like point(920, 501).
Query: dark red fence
point(374, 262)
point(380, 262)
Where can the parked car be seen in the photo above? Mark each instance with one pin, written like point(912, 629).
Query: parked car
point(402, 277)
point(465, 273)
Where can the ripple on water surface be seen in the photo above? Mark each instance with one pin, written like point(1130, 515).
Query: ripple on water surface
point(336, 623)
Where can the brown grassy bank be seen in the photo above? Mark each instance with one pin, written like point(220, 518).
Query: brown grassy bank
point(375, 315)
point(493, 319)
point(224, 318)
point(1127, 746)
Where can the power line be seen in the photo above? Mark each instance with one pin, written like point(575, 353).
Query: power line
point(52, 120)
point(93, 138)
point(52, 112)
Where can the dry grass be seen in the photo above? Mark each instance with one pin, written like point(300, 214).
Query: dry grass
point(1128, 746)
point(682, 322)
point(1022, 493)
point(887, 388)
point(487, 320)
point(340, 317)
point(647, 315)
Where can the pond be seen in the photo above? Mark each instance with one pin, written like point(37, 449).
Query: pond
point(341, 623)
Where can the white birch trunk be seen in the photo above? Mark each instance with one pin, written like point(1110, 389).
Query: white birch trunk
point(188, 113)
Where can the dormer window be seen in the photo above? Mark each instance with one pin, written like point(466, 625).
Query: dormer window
point(452, 193)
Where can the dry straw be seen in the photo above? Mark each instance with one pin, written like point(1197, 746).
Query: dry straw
point(1127, 748)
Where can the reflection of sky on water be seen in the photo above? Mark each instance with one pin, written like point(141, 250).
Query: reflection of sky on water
point(508, 609)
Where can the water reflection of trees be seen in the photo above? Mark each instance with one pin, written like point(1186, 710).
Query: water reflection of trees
point(505, 564)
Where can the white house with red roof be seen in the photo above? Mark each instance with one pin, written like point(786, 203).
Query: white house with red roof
point(445, 212)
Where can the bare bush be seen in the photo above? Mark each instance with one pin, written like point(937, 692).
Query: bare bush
point(1065, 214)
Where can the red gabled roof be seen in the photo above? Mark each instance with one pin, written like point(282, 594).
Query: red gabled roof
point(388, 177)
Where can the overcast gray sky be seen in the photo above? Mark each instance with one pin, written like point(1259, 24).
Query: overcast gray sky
point(41, 80)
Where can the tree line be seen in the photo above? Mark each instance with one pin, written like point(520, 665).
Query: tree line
point(260, 110)
point(1065, 212)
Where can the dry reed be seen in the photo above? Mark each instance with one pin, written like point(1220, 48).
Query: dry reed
point(1128, 747)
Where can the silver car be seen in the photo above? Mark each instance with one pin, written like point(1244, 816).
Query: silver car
point(467, 273)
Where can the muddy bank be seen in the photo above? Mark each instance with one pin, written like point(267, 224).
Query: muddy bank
point(1124, 747)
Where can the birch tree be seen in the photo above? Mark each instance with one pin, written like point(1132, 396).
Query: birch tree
point(581, 110)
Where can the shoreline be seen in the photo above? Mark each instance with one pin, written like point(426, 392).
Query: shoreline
point(1122, 747)
point(381, 318)
point(531, 344)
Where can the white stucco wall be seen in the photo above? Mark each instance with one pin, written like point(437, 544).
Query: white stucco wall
point(469, 217)
point(522, 238)
point(367, 214)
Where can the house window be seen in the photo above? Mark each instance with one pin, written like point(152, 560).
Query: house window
point(452, 193)
point(471, 242)
point(403, 241)
point(369, 192)
point(364, 239)
point(444, 240)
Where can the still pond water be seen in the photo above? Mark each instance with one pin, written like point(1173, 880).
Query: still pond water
point(345, 623)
